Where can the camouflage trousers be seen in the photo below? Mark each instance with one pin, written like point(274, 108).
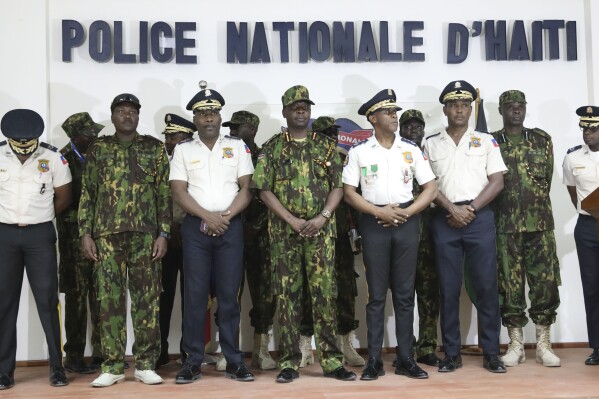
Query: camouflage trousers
point(294, 259)
point(347, 291)
point(427, 291)
point(531, 257)
point(259, 274)
point(125, 262)
point(76, 280)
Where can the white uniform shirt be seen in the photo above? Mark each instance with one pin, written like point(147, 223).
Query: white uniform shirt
point(385, 175)
point(582, 171)
point(27, 190)
point(462, 170)
point(212, 176)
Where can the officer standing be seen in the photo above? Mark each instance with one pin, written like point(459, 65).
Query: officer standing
point(210, 179)
point(581, 176)
point(244, 124)
point(177, 129)
point(384, 167)
point(34, 187)
point(469, 170)
point(75, 271)
point(299, 175)
point(411, 127)
point(525, 238)
point(124, 224)
point(347, 289)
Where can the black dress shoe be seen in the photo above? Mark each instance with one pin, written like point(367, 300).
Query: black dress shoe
point(430, 359)
point(287, 375)
point(341, 374)
point(58, 378)
point(493, 364)
point(593, 359)
point(79, 367)
point(163, 359)
point(188, 374)
point(450, 363)
point(409, 368)
point(373, 370)
point(6, 381)
point(238, 372)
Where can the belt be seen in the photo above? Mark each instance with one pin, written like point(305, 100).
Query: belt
point(467, 202)
point(403, 205)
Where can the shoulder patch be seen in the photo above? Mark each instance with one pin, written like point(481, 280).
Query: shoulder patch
point(408, 141)
point(3, 142)
point(228, 136)
point(578, 147)
point(48, 146)
point(432, 135)
point(267, 142)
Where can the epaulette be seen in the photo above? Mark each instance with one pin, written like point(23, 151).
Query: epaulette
point(408, 141)
point(189, 140)
point(540, 132)
point(481, 132)
point(267, 142)
point(228, 136)
point(324, 136)
point(147, 136)
point(432, 135)
point(578, 147)
point(48, 146)
point(359, 143)
point(3, 142)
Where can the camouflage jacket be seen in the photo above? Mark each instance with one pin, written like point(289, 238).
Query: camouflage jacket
point(524, 204)
point(125, 189)
point(69, 215)
point(301, 175)
point(256, 213)
point(426, 215)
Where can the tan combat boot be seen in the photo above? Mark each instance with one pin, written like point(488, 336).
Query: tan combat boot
point(260, 355)
point(305, 345)
point(221, 362)
point(346, 346)
point(545, 355)
point(515, 350)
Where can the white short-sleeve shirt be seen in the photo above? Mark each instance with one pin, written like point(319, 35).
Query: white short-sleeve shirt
point(385, 176)
point(582, 171)
point(27, 190)
point(212, 175)
point(462, 170)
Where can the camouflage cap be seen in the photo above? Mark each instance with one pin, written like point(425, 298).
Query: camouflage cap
point(512, 96)
point(81, 124)
point(294, 94)
point(241, 117)
point(324, 122)
point(411, 114)
point(125, 98)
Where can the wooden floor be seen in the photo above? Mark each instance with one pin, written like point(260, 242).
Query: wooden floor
point(528, 380)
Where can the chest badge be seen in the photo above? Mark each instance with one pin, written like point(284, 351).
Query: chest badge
point(227, 152)
point(475, 142)
point(407, 157)
point(43, 165)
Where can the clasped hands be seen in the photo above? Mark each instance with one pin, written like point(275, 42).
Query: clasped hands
point(391, 215)
point(460, 216)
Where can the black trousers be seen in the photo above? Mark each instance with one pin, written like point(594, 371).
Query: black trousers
point(31, 248)
point(474, 243)
point(390, 255)
point(206, 259)
point(587, 246)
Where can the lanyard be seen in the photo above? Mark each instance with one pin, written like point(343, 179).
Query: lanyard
point(81, 157)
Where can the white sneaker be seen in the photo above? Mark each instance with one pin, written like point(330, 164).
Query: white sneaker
point(107, 379)
point(148, 377)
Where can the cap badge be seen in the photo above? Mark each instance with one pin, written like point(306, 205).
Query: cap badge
point(458, 85)
point(589, 110)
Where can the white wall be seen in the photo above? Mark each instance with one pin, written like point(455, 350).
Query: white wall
point(35, 77)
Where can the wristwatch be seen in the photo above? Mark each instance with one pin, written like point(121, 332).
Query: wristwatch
point(165, 235)
point(326, 214)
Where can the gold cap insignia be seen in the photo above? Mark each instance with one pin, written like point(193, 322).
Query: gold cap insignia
point(589, 110)
point(458, 85)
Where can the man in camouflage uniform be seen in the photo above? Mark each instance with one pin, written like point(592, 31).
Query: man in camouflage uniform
point(244, 124)
point(75, 271)
point(299, 175)
point(411, 127)
point(525, 240)
point(347, 289)
point(124, 224)
point(177, 129)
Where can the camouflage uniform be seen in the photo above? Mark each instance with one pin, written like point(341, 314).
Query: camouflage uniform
point(124, 205)
point(257, 261)
point(526, 248)
point(301, 175)
point(76, 272)
point(426, 285)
